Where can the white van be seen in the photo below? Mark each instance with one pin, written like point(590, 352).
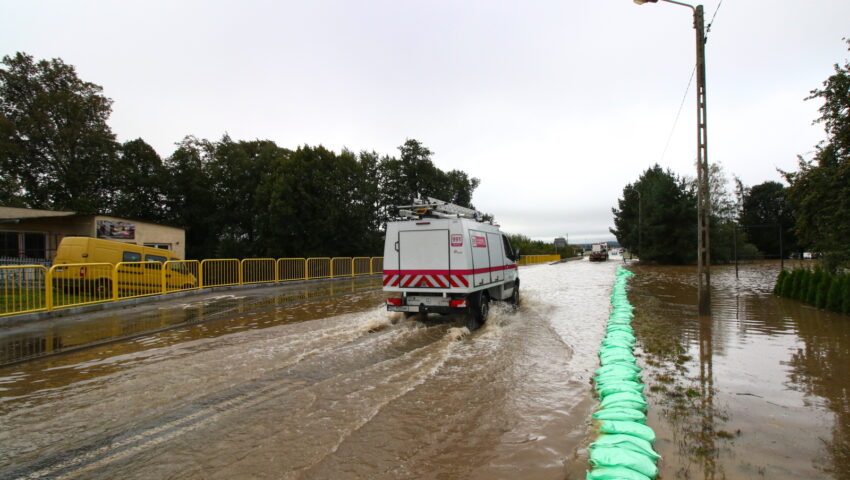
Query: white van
point(441, 258)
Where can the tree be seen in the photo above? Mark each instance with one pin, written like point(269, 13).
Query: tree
point(764, 209)
point(55, 145)
point(656, 218)
point(820, 190)
point(140, 183)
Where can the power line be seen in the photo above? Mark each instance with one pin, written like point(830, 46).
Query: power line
point(708, 28)
point(676, 121)
point(688, 88)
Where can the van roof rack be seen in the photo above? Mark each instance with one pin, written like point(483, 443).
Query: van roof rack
point(432, 207)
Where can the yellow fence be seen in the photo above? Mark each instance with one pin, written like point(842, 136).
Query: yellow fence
point(532, 259)
point(34, 288)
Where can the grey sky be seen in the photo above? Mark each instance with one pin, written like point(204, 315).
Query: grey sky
point(555, 106)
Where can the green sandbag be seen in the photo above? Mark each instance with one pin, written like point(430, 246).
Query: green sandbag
point(614, 349)
point(611, 328)
point(618, 361)
point(611, 388)
point(619, 403)
point(615, 357)
point(629, 442)
point(618, 342)
point(617, 368)
point(628, 428)
point(627, 335)
point(621, 457)
point(620, 415)
point(617, 377)
point(625, 396)
point(615, 473)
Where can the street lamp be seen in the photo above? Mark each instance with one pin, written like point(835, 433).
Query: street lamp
point(703, 203)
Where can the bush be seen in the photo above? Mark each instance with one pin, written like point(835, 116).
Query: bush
point(823, 289)
point(796, 280)
point(845, 294)
point(780, 281)
point(833, 297)
point(812, 289)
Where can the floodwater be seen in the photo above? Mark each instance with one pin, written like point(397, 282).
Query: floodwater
point(255, 384)
point(760, 389)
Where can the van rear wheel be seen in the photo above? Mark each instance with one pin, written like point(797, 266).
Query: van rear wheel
point(480, 310)
point(514, 300)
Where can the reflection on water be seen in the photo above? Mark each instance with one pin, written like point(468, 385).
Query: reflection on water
point(757, 389)
point(55, 336)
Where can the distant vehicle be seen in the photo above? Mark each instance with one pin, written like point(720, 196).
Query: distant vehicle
point(439, 257)
point(135, 275)
point(599, 252)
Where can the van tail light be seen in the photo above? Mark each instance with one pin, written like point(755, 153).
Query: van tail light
point(82, 272)
point(394, 301)
point(458, 303)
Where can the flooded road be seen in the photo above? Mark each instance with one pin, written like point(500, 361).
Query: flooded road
point(760, 389)
point(255, 384)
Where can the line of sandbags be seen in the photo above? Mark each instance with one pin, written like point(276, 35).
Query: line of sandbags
point(623, 450)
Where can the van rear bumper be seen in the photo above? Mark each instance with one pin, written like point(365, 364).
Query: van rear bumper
point(424, 309)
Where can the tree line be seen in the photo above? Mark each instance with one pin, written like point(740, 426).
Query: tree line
point(656, 216)
point(234, 198)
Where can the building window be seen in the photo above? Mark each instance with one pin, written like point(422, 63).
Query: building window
point(9, 244)
point(164, 246)
point(35, 245)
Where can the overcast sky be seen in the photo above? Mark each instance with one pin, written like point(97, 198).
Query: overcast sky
point(554, 105)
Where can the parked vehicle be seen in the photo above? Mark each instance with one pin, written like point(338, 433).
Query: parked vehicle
point(92, 260)
point(599, 252)
point(441, 258)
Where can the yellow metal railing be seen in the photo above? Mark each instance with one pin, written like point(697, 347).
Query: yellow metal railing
point(220, 272)
point(76, 284)
point(34, 288)
point(532, 259)
point(361, 266)
point(259, 270)
point(319, 268)
point(24, 289)
point(289, 269)
point(181, 275)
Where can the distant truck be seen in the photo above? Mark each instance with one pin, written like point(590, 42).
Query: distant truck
point(599, 252)
point(441, 258)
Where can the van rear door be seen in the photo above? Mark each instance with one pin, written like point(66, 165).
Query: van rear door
point(423, 258)
point(497, 257)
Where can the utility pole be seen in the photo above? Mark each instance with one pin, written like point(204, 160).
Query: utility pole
point(703, 200)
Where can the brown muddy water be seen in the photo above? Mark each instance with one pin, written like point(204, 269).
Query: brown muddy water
point(255, 384)
point(760, 389)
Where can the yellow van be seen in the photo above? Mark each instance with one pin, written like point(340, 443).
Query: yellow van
point(91, 263)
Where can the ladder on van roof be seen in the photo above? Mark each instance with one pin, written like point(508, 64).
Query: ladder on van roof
point(432, 207)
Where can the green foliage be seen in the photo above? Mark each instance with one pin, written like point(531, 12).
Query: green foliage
point(823, 290)
point(764, 211)
point(527, 246)
point(820, 190)
point(56, 150)
point(833, 298)
point(234, 198)
point(780, 282)
point(655, 219)
point(816, 287)
point(805, 280)
point(796, 284)
point(845, 301)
